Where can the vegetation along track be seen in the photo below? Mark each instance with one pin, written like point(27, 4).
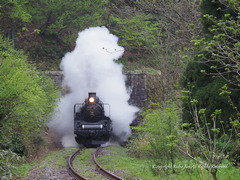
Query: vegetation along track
point(99, 169)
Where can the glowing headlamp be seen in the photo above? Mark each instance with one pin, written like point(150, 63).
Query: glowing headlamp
point(91, 100)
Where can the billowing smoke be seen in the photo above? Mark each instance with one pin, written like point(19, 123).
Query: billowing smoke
point(90, 67)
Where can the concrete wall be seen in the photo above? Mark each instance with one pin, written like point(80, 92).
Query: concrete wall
point(135, 82)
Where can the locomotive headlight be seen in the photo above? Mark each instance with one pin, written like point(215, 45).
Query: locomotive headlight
point(91, 100)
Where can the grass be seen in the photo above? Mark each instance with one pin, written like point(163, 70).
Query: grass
point(188, 169)
point(116, 159)
point(23, 170)
point(83, 164)
point(56, 159)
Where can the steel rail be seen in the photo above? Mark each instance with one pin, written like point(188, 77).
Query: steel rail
point(70, 167)
point(101, 169)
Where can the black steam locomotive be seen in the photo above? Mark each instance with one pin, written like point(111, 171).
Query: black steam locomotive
point(91, 127)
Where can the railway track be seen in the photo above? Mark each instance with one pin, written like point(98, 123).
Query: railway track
point(99, 169)
point(72, 171)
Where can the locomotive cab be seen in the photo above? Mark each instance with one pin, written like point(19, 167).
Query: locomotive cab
point(91, 126)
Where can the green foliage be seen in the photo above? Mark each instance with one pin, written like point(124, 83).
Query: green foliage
point(162, 129)
point(213, 135)
point(26, 100)
point(13, 142)
point(48, 28)
point(163, 138)
point(8, 163)
point(116, 158)
point(221, 51)
point(15, 9)
point(151, 31)
point(217, 10)
point(209, 96)
point(137, 33)
point(220, 48)
point(58, 23)
point(212, 76)
point(54, 16)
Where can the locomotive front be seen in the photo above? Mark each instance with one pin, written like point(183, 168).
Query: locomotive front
point(91, 126)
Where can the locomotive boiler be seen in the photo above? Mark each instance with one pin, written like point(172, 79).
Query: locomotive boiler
point(91, 126)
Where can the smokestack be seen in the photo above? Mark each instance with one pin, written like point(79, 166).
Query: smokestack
point(92, 94)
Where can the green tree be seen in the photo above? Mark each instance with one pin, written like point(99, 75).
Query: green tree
point(155, 34)
point(136, 33)
point(209, 142)
point(47, 29)
point(161, 128)
point(9, 160)
point(13, 14)
point(58, 23)
point(27, 100)
point(216, 63)
point(12, 10)
point(212, 83)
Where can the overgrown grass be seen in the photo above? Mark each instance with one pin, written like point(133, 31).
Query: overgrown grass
point(116, 159)
point(189, 169)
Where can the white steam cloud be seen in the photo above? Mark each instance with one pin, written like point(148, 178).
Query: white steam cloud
point(90, 67)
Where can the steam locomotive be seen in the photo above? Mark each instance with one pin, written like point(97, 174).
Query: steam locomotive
point(91, 126)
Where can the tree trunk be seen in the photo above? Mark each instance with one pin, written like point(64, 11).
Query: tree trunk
point(214, 173)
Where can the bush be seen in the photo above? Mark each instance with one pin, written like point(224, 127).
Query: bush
point(139, 146)
point(7, 159)
point(26, 100)
point(161, 131)
point(13, 142)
